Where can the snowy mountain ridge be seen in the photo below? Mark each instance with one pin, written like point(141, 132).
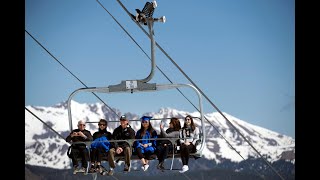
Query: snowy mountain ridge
point(43, 147)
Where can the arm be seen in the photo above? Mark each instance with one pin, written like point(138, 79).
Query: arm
point(88, 136)
point(154, 142)
point(171, 134)
point(70, 136)
point(115, 137)
point(196, 135)
point(137, 143)
point(181, 136)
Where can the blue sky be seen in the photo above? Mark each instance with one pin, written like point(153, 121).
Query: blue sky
point(240, 53)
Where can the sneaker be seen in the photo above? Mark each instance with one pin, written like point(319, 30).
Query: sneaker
point(126, 168)
point(160, 166)
point(99, 169)
point(184, 168)
point(75, 169)
point(145, 167)
point(83, 169)
point(92, 170)
point(110, 172)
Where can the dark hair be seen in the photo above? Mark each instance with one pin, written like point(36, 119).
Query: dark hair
point(193, 127)
point(176, 124)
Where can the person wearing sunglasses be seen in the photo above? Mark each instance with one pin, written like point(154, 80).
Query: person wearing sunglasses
point(122, 132)
point(145, 147)
point(79, 149)
point(189, 135)
point(100, 146)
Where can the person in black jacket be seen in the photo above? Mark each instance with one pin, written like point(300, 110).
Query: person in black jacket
point(123, 132)
point(100, 146)
point(79, 149)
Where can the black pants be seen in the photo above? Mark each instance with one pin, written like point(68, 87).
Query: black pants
point(97, 154)
point(145, 155)
point(163, 152)
point(185, 152)
point(82, 152)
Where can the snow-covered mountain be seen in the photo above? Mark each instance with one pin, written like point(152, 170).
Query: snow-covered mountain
point(43, 147)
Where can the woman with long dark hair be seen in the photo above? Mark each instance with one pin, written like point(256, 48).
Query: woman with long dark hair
point(145, 147)
point(189, 134)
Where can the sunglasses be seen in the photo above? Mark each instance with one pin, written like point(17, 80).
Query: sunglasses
point(144, 121)
point(102, 124)
point(82, 125)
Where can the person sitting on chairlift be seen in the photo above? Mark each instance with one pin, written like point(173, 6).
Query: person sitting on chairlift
point(145, 147)
point(122, 132)
point(189, 135)
point(79, 149)
point(100, 146)
point(165, 145)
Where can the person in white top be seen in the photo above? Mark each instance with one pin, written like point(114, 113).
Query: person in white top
point(189, 134)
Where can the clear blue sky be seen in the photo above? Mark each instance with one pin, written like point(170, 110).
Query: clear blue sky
point(240, 53)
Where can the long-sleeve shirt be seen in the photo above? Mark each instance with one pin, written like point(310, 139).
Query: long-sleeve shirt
point(79, 138)
point(189, 136)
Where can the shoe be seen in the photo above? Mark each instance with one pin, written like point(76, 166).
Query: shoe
point(99, 169)
point(160, 166)
point(75, 169)
point(184, 168)
point(110, 172)
point(84, 170)
point(126, 168)
point(92, 170)
point(145, 167)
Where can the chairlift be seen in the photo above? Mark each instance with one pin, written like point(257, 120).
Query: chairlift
point(142, 86)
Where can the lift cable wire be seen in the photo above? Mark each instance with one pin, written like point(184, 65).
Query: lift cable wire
point(129, 14)
point(157, 67)
point(71, 72)
point(44, 123)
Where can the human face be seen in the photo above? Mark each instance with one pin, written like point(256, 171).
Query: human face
point(145, 124)
point(188, 121)
point(102, 125)
point(81, 126)
point(123, 123)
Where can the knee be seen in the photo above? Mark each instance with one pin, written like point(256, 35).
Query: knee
point(112, 151)
point(127, 149)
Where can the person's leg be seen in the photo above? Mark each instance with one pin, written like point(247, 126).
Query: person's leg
point(111, 155)
point(127, 154)
point(165, 152)
point(74, 156)
point(84, 156)
point(93, 155)
point(160, 152)
point(99, 153)
point(183, 153)
point(189, 149)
